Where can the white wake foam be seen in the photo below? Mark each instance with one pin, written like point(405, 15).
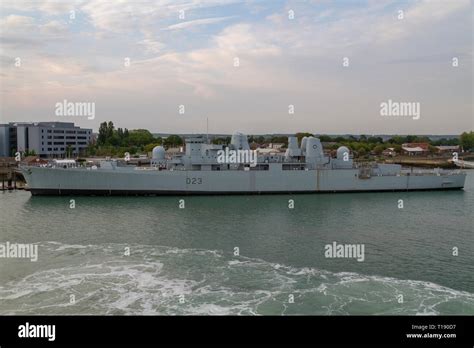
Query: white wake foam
point(162, 280)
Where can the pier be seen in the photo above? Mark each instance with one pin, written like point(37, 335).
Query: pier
point(11, 179)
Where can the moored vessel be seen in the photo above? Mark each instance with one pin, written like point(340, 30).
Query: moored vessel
point(216, 169)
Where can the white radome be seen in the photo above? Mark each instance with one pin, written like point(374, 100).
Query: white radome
point(158, 153)
point(341, 151)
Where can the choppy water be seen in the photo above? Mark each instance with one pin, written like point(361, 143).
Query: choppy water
point(190, 253)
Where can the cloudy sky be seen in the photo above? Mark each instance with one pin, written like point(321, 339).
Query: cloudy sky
point(184, 52)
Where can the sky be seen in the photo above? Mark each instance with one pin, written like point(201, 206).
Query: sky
point(243, 65)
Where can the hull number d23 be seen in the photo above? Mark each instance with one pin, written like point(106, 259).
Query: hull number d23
point(193, 181)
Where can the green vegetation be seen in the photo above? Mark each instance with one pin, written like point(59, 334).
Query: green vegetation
point(24, 154)
point(173, 141)
point(279, 140)
point(29, 153)
point(224, 141)
point(364, 146)
point(302, 135)
point(115, 142)
point(467, 141)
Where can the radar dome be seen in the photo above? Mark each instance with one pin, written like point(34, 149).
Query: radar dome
point(341, 153)
point(158, 153)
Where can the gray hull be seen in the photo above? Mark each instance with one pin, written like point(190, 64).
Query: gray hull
point(146, 181)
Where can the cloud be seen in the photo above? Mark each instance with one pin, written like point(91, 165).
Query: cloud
point(54, 28)
point(123, 16)
point(244, 39)
point(24, 34)
point(203, 72)
point(152, 46)
point(282, 62)
point(198, 22)
point(421, 15)
point(49, 7)
point(16, 23)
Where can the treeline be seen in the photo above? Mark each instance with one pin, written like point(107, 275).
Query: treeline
point(363, 145)
point(115, 142)
point(377, 144)
point(467, 141)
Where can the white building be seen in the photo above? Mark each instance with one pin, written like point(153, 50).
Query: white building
point(411, 151)
point(448, 148)
point(46, 139)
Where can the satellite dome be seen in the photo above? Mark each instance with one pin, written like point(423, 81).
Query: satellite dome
point(341, 152)
point(158, 153)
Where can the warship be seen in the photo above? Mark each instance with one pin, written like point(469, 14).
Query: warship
point(205, 168)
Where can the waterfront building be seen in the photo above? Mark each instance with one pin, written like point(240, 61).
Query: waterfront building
point(414, 149)
point(45, 139)
point(448, 149)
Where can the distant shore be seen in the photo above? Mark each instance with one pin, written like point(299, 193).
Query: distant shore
point(424, 162)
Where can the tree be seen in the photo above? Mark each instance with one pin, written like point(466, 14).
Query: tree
point(325, 138)
point(114, 140)
point(361, 152)
point(397, 148)
point(423, 139)
point(379, 149)
point(28, 152)
point(150, 147)
point(110, 130)
point(375, 140)
point(301, 135)
point(140, 137)
point(101, 139)
point(173, 141)
point(397, 139)
point(279, 139)
point(467, 141)
point(222, 141)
